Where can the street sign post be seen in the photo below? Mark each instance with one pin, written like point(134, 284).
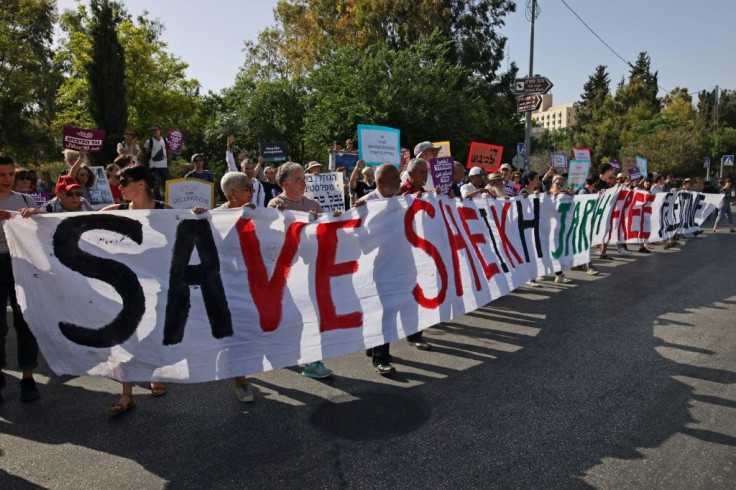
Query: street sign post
point(520, 148)
point(532, 85)
point(726, 161)
point(706, 166)
point(526, 103)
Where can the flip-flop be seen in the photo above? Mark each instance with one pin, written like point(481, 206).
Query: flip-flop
point(122, 408)
point(159, 390)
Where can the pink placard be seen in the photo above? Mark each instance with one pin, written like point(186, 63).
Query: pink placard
point(82, 139)
point(174, 141)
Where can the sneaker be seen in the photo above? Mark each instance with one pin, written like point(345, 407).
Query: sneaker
point(244, 393)
point(592, 271)
point(644, 250)
point(561, 279)
point(316, 370)
point(534, 284)
point(623, 251)
point(29, 390)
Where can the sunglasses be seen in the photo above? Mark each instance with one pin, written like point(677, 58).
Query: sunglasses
point(124, 182)
point(73, 194)
point(82, 174)
point(23, 176)
point(198, 160)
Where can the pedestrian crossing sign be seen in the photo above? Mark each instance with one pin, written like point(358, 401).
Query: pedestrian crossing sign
point(727, 160)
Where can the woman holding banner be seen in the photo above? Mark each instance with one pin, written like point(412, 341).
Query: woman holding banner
point(136, 187)
point(724, 207)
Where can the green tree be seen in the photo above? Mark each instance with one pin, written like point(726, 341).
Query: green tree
point(106, 76)
point(28, 77)
point(157, 88)
point(595, 92)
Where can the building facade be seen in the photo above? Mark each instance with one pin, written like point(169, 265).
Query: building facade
point(553, 117)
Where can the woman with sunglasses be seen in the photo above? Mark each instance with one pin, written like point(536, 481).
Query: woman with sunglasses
point(137, 189)
point(86, 178)
point(23, 181)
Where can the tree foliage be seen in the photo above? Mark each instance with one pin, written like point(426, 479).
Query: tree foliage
point(28, 77)
point(157, 88)
point(105, 73)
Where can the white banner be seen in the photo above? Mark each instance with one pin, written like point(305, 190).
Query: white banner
point(167, 295)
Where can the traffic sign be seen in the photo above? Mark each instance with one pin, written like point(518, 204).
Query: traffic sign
point(706, 162)
point(518, 161)
point(532, 85)
point(528, 102)
point(520, 148)
point(727, 160)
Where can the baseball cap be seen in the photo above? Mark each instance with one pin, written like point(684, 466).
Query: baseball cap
point(197, 155)
point(506, 166)
point(66, 183)
point(475, 171)
point(423, 146)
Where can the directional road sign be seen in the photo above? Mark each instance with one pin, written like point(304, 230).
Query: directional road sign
point(528, 102)
point(532, 85)
point(520, 148)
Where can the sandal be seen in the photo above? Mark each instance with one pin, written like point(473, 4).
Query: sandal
point(605, 257)
point(121, 407)
point(157, 389)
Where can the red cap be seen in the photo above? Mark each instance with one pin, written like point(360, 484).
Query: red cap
point(66, 183)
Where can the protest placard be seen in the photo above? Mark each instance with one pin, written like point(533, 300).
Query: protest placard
point(100, 192)
point(345, 159)
point(328, 189)
point(82, 139)
point(444, 150)
point(643, 164)
point(488, 157)
point(627, 163)
point(581, 154)
point(577, 173)
point(615, 164)
point(441, 170)
point(635, 173)
point(175, 141)
point(378, 145)
point(273, 152)
point(559, 160)
point(189, 193)
point(40, 198)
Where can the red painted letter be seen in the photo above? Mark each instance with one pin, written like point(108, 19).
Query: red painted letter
point(430, 249)
point(326, 270)
point(267, 294)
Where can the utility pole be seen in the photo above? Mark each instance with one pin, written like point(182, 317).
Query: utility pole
point(532, 13)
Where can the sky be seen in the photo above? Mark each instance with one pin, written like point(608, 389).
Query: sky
point(690, 43)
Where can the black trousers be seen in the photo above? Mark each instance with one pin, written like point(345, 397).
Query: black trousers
point(27, 346)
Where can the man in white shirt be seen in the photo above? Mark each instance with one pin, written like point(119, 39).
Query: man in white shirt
point(475, 186)
point(158, 160)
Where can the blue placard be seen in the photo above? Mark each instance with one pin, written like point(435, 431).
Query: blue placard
point(378, 145)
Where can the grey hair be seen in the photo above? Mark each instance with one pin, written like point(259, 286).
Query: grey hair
point(414, 162)
point(70, 156)
point(366, 170)
point(285, 171)
point(233, 180)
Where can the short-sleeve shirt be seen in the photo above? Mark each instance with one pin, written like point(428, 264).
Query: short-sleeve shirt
point(206, 175)
point(13, 202)
point(361, 188)
point(304, 204)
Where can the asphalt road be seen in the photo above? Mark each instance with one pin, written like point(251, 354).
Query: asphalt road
point(623, 380)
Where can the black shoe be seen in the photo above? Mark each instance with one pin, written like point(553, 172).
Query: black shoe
point(29, 390)
point(421, 345)
point(644, 250)
point(384, 368)
point(697, 232)
point(2, 385)
point(369, 352)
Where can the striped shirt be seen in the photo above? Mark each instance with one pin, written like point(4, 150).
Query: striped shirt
point(13, 202)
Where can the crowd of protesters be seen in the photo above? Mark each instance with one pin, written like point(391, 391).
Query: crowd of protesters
point(137, 177)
